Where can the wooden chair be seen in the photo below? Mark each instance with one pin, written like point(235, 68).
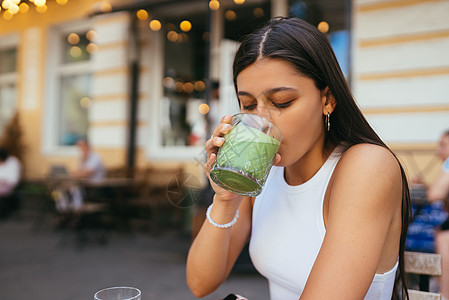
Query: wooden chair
point(425, 265)
point(161, 192)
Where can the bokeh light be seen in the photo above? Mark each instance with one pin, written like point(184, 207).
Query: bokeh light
point(155, 25)
point(40, 2)
point(203, 108)
point(230, 15)
point(41, 9)
point(172, 36)
point(91, 35)
point(91, 47)
point(214, 5)
point(73, 38)
point(105, 6)
point(168, 82)
point(188, 87)
point(185, 26)
point(85, 102)
point(258, 12)
point(24, 8)
point(323, 26)
point(76, 51)
point(142, 14)
point(200, 86)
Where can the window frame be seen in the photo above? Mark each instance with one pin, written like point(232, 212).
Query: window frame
point(11, 41)
point(55, 69)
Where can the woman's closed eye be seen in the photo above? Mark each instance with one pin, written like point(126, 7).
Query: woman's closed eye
point(249, 107)
point(275, 104)
point(283, 104)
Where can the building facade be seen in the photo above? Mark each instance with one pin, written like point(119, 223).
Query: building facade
point(138, 78)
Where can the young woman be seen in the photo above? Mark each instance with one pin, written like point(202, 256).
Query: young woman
point(332, 218)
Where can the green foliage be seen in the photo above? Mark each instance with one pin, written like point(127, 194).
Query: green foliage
point(12, 137)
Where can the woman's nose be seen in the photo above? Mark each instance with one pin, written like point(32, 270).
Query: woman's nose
point(263, 111)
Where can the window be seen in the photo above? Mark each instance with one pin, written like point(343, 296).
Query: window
point(184, 107)
point(8, 90)
point(69, 86)
point(332, 18)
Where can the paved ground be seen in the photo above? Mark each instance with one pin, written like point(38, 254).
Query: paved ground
point(45, 264)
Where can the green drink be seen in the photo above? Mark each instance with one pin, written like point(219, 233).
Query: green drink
point(245, 159)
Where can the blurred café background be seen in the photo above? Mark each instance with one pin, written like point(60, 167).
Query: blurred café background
point(145, 81)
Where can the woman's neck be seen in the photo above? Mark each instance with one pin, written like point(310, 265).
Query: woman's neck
point(308, 165)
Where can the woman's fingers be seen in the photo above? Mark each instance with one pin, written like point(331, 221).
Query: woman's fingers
point(224, 126)
point(277, 159)
point(209, 163)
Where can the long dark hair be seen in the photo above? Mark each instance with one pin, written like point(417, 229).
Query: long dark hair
point(309, 51)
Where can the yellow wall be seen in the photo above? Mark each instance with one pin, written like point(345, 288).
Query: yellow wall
point(35, 163)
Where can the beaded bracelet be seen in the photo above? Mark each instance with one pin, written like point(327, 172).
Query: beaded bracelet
point(227, 225)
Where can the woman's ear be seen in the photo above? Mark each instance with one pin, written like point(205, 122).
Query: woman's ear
point(328, 101)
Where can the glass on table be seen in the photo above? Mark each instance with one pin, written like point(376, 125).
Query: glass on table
point(118, 293)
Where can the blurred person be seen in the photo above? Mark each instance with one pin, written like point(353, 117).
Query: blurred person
point(438, 191)
point(10, 172)
point(90, 164)
point(69, 196)
point(10, 175)
point(331, 221)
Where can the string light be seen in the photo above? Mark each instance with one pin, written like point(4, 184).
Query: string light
point(41, 9)
point(230, 15)
point(7, 15)
point(91, 35)
point(214, 5)
point(76, 51)
point(13, 7)
point(24, 8)
point(323, 26)
point(185, 26)
point(142, 14)
point(105, 6)
point(85, 102)
point(258, 12)
point(6, 4)
point(155, 25)
point(91, 47)
point(40, 2)
point(199, 86)
point(203, 108)
point(73, 38)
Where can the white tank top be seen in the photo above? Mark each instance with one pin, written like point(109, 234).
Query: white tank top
point(288, 230)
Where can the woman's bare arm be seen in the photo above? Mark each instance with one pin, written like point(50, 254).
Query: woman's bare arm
point(215, 250)
point(439, 190)
point(363, 225)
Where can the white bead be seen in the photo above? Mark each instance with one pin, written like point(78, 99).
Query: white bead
point(227, 225)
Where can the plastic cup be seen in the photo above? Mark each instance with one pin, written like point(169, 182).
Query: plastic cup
point(247, 155)
point(118, 293)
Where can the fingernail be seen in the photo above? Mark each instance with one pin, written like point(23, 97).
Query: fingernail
point(220, 140)
point(226, 127)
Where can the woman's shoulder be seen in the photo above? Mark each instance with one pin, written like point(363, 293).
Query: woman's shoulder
point(368, 175)
point(369, 153)
point(369, 159)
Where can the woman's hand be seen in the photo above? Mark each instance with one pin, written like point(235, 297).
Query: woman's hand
point(212, 145)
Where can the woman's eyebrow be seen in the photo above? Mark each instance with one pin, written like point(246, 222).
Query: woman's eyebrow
point(269, 91)
point(243, 93)
point(279, 89)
